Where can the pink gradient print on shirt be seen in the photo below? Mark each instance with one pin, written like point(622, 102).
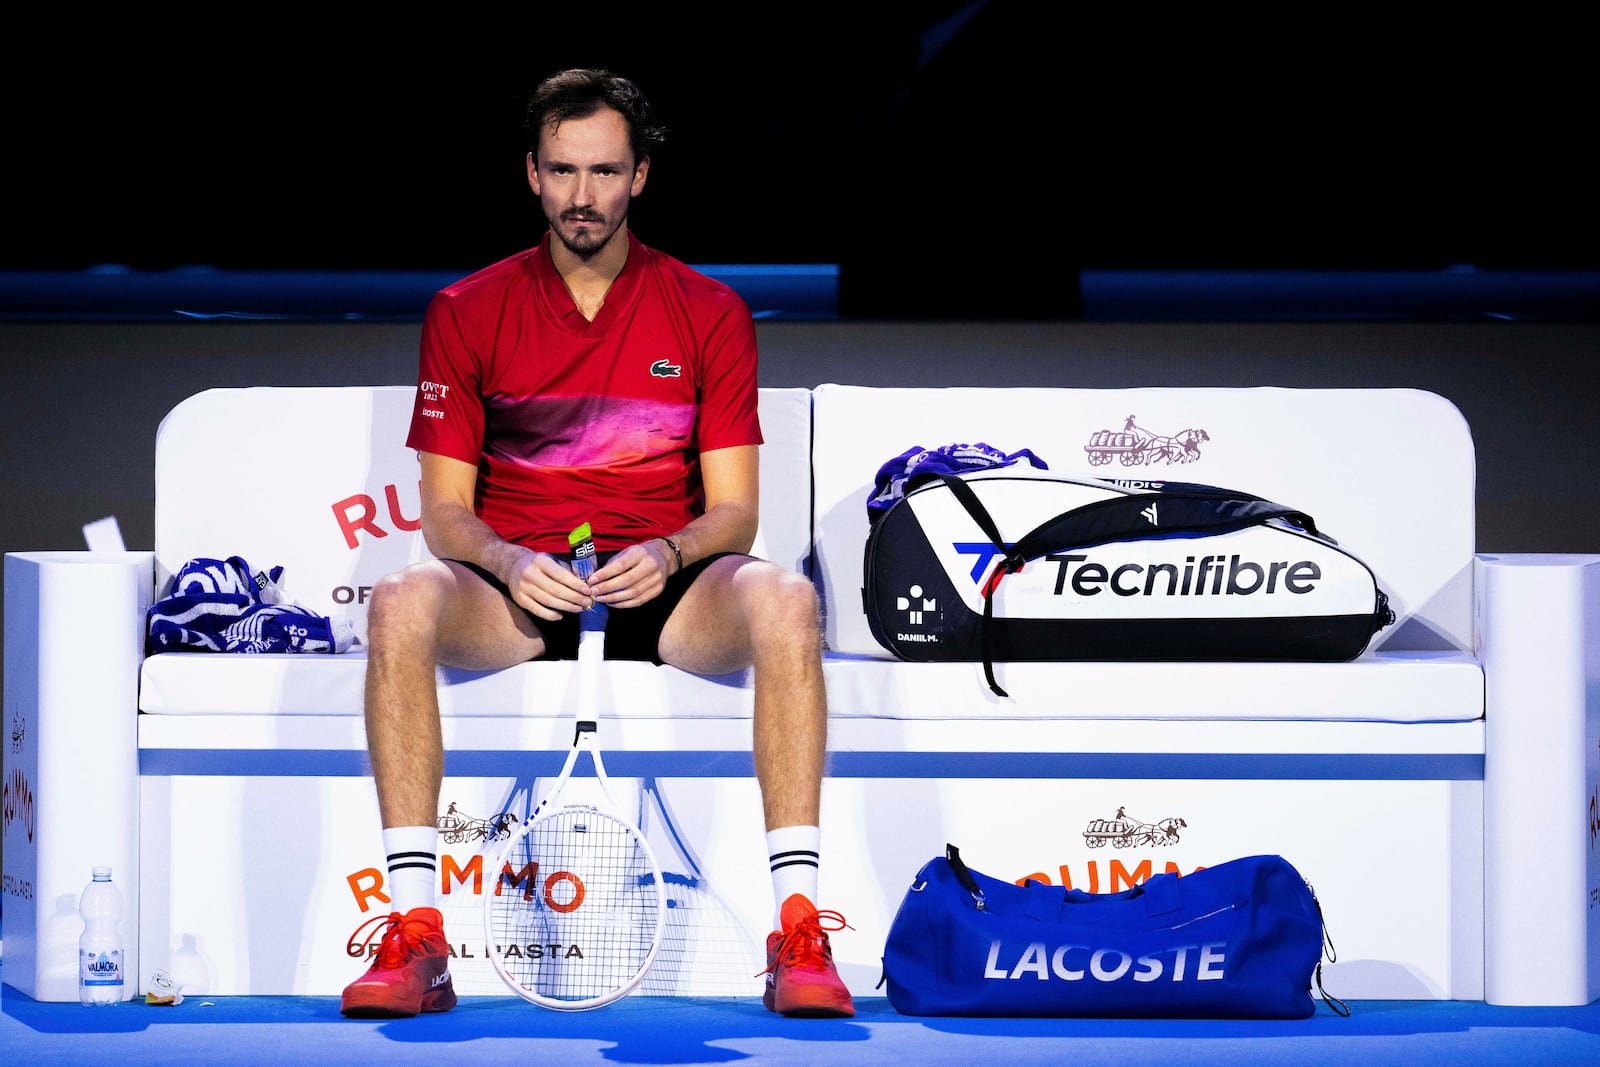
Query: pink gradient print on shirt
point(586, 431)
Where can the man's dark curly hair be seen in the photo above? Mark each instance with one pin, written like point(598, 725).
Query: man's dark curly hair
point(579, 93)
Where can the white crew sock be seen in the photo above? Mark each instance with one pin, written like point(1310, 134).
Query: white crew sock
point(792, 854)
point(413, 866)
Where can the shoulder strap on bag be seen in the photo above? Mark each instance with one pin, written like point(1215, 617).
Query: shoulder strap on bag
point(1179, 508)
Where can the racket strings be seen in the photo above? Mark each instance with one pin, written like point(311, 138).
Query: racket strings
point(575, 906)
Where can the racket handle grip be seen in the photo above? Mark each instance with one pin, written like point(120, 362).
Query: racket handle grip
point(591, 621)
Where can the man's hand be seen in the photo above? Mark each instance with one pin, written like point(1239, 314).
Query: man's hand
point(545, 586)
point(635, 575)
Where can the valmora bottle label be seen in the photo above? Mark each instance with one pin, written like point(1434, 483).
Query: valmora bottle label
point(103, 968)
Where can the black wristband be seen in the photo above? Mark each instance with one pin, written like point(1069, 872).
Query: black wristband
point(676, 554)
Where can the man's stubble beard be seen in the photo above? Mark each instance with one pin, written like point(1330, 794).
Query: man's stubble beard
point(586, 248)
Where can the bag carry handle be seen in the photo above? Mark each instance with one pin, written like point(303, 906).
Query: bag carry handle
point(1338, 1006)
point(1180, 508)
point(964, 876)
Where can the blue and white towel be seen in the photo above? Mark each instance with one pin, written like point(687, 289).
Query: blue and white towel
point(894, 476)
point(219, 605)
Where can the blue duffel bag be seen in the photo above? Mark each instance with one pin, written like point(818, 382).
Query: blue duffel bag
point(1242, 940)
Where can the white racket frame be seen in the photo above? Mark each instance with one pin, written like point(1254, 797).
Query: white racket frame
point(590, 663)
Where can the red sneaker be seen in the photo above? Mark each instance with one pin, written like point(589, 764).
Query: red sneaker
point(801, 979)
point(409, 973)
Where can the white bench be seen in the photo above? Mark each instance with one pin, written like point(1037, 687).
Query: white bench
point(1428, 790)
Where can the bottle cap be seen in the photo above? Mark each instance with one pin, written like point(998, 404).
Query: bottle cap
point(102, 874)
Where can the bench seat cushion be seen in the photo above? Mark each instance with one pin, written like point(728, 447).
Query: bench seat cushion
point(1387, 687)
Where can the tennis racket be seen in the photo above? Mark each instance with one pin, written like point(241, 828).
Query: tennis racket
point(578, 905)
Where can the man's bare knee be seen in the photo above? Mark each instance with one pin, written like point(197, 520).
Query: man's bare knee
point(404, 602)
point(787, 610)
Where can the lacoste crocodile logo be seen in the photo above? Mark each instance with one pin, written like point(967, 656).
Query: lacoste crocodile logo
point(662, 369)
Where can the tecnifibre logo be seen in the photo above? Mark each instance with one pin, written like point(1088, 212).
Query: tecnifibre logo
point(1206, 576)
point(1213, 575)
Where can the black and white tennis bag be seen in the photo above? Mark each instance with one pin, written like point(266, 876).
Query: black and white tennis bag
point(1017, 565)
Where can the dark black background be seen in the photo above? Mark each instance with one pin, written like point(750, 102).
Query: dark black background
point(952, 159)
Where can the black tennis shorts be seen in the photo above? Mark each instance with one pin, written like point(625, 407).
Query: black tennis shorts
point(631, 633)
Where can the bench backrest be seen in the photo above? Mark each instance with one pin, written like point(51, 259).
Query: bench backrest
point(320, 482)
point(1389, 473)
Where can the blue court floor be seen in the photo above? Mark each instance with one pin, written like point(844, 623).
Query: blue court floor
point(646, 1030)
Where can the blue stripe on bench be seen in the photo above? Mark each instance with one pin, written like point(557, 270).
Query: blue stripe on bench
point(489, 763)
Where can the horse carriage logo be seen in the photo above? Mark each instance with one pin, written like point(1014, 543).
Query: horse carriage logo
point(457, 826)
point(1133, 445)
point(1120, 831)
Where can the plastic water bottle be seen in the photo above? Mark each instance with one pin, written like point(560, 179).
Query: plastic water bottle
point(100, 947)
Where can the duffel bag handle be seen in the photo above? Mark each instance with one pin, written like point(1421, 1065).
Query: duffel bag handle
point(964, 876)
